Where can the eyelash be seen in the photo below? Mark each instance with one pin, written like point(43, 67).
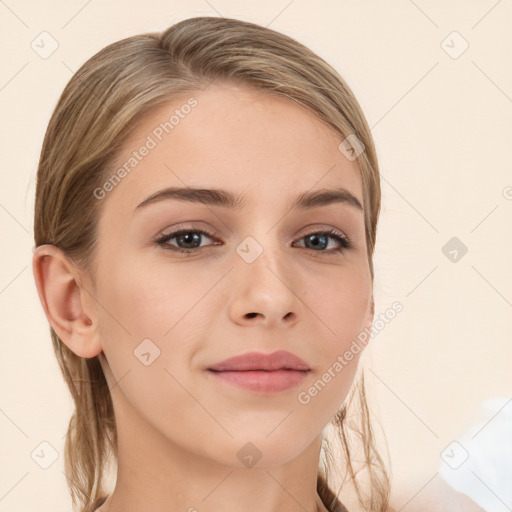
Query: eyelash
point(344, 241)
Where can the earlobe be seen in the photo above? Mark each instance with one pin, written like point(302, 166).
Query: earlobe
point(65, 302)
point(371, 312)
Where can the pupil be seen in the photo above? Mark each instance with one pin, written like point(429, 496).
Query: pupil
point(315, 241)
point(189, 238)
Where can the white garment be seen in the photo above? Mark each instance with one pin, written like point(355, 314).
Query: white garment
point(479, 463)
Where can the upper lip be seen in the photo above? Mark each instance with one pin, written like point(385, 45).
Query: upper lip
point(259, 361)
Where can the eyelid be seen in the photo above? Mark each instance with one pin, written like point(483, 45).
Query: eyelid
point(213, 233)
point(192, 226)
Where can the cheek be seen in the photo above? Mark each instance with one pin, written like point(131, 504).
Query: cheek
point(150, 301)
point(144, 328)
point(340, 307)
point(151, 313)
point(341, 303)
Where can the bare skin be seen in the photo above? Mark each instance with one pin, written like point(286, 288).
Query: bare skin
point(180, 430)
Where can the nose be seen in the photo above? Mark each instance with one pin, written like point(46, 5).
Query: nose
point(264, 291)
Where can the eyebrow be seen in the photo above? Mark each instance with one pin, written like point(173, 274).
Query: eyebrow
point(218, 197)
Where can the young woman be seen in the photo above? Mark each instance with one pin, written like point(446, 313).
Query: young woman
point(206, 211)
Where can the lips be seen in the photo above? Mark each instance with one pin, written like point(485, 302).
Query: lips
point(280, 360)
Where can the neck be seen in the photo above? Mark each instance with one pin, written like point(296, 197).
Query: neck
point(157, 474)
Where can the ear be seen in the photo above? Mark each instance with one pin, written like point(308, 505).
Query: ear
point(371, 314)
point(69, 307)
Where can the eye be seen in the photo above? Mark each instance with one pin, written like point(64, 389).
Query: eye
point(188, 240)
point(320, 240)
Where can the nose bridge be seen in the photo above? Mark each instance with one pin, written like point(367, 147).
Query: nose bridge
point(251, 258)
point(263, 278)
point(263, 255)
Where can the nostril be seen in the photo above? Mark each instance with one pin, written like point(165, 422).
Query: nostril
point(251, 315)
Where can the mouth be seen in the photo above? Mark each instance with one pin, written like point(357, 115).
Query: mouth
point(280, 360)
point(260, 372)
point(262, 381)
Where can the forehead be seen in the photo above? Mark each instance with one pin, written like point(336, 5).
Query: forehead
point(236, 138)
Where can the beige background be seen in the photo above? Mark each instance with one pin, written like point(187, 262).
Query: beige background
point(442, 127)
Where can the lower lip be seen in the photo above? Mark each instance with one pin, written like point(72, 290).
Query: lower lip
point(263, 381)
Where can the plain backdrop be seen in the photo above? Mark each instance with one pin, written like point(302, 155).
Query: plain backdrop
point(434, 80)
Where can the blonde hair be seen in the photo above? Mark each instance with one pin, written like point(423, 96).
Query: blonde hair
point(97, 110)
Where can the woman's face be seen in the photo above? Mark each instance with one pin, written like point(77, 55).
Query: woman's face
point(260, 280)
